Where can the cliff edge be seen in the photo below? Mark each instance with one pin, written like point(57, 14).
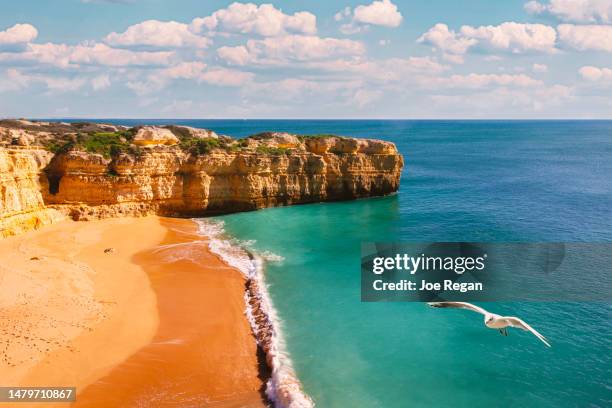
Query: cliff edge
point(89, 170)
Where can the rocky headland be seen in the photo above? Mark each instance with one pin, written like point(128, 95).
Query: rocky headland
point(87, 171)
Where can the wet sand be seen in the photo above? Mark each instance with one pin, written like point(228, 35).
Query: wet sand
point(157, 324)
point(203, 353)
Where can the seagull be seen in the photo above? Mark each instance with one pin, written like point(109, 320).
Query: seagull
point(492, 320)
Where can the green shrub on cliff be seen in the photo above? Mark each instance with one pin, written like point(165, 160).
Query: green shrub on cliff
point(318, 136)
point(60, 146)
point(107, 144)
point(200, 146)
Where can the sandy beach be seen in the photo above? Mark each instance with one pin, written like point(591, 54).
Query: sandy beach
point(131, 311)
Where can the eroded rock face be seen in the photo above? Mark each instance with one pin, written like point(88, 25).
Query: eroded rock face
point(21, 202)
point(265, 170)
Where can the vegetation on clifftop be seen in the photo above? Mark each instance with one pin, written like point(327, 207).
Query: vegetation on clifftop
point(201, 146)
point(111, 141)
point(108, 144)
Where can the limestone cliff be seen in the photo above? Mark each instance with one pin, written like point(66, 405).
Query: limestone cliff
point(103, 170)
point(21, 202)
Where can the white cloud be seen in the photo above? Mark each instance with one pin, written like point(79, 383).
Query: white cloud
point(13, 80)
point(234, 55)
point(578, 11)
point(18, 34)
point(226, 77)
point(382, 13)
point(451, 44)
point(387, 70)
point(478, 81)
point(160, 34)
point(100, 54)
point(73, 56)
point(586, 37)
point(513, 37)
point(264, 20)
point(507, 37)
point(61, 84)
point(20, 80)
point(100, 82)
point(196, 71)
point(379, 13)
point(595, 74)
point(184, 70)
point(539, 68)
point(291, 48)
point(342, 14)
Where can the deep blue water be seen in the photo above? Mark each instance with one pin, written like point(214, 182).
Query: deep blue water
point(524, 181)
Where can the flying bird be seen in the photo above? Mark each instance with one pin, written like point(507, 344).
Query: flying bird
point(492, 320)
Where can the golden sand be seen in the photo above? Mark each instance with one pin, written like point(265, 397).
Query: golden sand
point(155, 321)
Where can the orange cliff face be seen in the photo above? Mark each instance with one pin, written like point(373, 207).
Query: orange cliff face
point(21, 203)
point(179, 171)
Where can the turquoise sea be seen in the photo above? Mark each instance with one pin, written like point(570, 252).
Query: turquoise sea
point(497, 181)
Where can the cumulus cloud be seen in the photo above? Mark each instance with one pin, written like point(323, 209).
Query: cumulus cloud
point(18, 34)
point(379, 13)
point(264, 20)
point(158, 34)
point(586, 37)
point(577, 11)
point(73, 56)
point(595, 74)
point(513, 37)
point(451, 44)
point(291, 48)
point(507, 37)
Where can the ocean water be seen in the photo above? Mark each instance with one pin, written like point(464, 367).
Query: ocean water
point(501, 181)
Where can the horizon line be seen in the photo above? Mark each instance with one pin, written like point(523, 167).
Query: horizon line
point(67, 118)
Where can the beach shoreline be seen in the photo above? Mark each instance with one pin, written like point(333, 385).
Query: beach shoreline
point(146, 313)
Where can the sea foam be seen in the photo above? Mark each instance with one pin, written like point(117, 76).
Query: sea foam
point(283, 387)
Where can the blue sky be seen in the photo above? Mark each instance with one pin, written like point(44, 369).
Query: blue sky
point(316, 59)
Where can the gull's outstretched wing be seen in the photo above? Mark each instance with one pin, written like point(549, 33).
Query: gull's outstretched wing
point(458, 305)
point(520, 324)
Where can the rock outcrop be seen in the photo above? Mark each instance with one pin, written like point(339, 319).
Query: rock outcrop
point(179, 172)
point(150, 136)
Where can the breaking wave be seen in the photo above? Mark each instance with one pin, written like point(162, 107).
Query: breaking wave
point(283, 387)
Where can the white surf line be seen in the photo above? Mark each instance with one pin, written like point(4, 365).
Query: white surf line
point(283, 387)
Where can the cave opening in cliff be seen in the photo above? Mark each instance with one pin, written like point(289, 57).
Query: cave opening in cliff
point(54, 183)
